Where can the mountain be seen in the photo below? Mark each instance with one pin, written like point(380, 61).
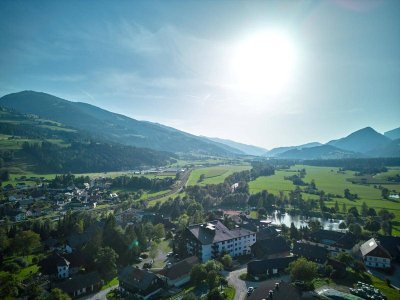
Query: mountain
point(35, 144)
point(110, 126)
point(393, 134)
point(275, 152)
point(318, 152)
point(388, 150)
point(243, 148)
point(362, 141)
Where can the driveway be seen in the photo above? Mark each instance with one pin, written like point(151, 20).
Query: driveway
point(101, 295)
point(241, 286)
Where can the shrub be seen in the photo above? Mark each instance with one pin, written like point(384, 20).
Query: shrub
point(21, 262)
point(11, 267)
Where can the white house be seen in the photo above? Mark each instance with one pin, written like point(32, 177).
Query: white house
point(212, 239)
point(374, 255)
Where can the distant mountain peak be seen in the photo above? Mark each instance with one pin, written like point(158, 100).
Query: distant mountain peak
point(362, 141)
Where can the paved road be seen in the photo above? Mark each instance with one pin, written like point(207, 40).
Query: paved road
point(101, 295)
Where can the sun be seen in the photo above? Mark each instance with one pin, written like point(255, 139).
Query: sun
point(264, 62)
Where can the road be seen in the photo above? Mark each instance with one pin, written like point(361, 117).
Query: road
point(101, 295)
point(241, 286)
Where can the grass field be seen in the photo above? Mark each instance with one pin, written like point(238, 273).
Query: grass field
point(331, 181)
point(214, 175)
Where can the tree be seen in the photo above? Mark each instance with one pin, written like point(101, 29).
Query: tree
point(314, 225)
point(215, 294)
point(26, 241)
point(189, 296)
point(213, 279)
point(159, 231)
point(372, 225)
point(344, 208)
point(227, 261)
point(345, 258)
point(385, 193)
point(355, 229)
point(364, 209)
point(198, 274)
point(153, 252)
point(303, 270)
point(57, 294)
point(387, 227)
point(371, 212)
point(354, 211)
point(106, 262)
point(213, 265)
point(342, 225)
point(336, 206)
point(294, 233)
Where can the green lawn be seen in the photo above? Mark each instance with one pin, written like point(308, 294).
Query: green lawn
point(230, 292)
point(214, 175)
point(112, 282)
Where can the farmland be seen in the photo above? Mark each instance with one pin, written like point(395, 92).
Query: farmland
point(214, 175)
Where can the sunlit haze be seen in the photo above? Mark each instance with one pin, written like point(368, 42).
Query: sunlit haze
point(267, 73)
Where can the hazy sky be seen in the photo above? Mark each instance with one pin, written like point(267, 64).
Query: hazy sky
point(175, 62)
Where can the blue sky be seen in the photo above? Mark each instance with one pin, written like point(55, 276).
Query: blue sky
point(171, 62)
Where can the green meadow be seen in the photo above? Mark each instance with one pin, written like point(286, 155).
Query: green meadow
point(214, 175)
point(332, 181)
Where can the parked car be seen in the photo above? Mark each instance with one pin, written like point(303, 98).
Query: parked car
point(250, 290)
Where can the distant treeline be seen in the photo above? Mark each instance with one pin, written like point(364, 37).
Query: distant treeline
point(91, 157)
point(34, 131)
point(144, 183)
point(361, 165)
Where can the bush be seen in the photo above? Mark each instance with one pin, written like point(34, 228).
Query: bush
point(21, 262)
point(11, 267)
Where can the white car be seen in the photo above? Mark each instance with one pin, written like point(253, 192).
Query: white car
point(250, 290)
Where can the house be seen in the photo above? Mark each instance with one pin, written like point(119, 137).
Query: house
point(374, 255)
point(81, 284)
point(55, 265)
point(392, 245)
point(267, 267)
point(270, 248)
point(334, 241)
point(213, 239)
point(141, 283)
point(313, 253)
point(275, 290)
point(179, 273)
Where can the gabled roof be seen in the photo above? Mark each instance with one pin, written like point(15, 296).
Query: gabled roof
point(78, 282)
point(334, 238)
point(261, 266)
point(215, 231)
point(50, 263)
point(136, 278)
point(180, 269)
point(391, 244)
point(270, 246)
point(372, 248)
point(311, 252)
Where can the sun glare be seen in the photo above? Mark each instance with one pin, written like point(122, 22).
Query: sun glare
point(264, 62)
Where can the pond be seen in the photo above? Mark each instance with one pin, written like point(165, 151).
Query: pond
point(300, 221)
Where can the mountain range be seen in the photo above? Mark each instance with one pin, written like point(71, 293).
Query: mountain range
point(109, 127)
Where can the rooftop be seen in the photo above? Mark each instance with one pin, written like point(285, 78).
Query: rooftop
point(215, 231)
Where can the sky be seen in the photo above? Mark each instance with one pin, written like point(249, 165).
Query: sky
point(211, 67)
